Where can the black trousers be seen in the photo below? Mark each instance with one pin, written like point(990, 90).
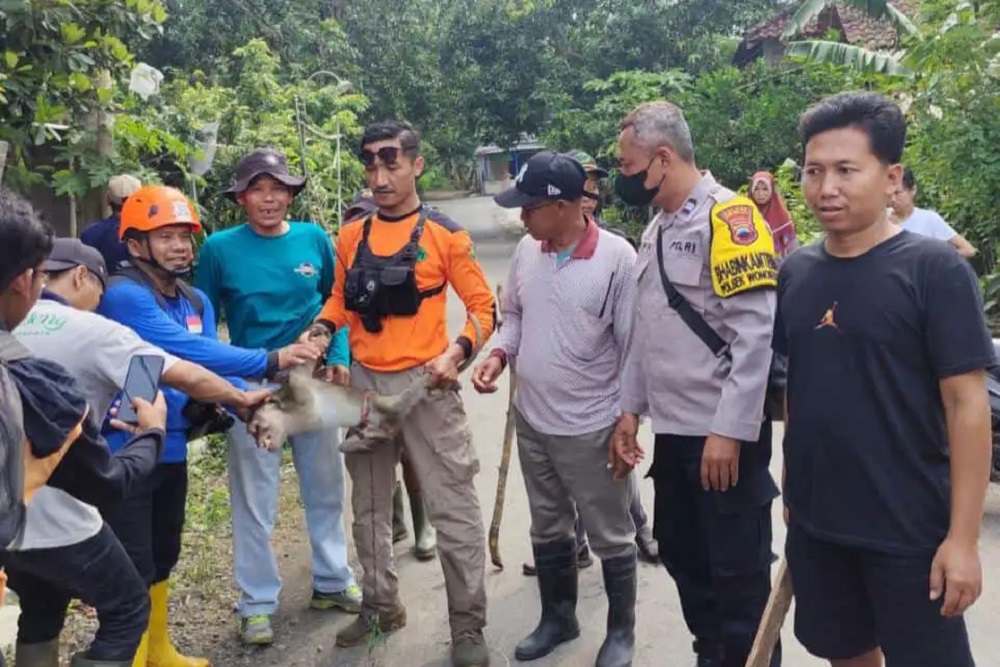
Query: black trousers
point(96, 571)
point(716, 545)
point(149, 523)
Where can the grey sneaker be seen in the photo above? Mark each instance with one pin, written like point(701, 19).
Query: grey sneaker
point(348, 600)
point(469, 649)
point(256, 630)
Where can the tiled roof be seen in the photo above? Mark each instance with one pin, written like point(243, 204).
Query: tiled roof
point(858, 27)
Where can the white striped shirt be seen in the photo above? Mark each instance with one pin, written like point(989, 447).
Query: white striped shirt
point(569, 327)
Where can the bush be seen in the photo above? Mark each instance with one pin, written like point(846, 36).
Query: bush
point(254, 108)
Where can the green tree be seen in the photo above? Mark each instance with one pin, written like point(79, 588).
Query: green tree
point(61, 65)
point(258, 110)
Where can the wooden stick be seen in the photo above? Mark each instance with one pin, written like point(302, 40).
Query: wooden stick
point(773, 618)
point(508, 440)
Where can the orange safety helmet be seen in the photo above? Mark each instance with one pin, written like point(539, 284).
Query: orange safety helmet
point(155, 206)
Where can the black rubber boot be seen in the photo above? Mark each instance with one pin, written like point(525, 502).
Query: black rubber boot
point(80, 660)
point(620, 585)
point(399, 531)
point(424, 542)
point(42, 654)
point(555, 563)
point(709, 653)
point(735, 654)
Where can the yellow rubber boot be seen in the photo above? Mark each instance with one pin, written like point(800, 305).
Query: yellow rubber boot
point(161, 652)
point(142, 653)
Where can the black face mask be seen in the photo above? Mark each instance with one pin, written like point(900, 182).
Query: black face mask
point(632, 189)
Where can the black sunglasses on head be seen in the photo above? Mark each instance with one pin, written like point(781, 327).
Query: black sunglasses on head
point(388, 155)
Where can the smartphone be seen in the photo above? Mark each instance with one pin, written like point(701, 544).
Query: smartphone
point(142, 381)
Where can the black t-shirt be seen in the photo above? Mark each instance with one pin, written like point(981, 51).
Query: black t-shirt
point(867, 339)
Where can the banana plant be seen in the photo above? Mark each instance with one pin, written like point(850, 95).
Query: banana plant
point(877, 9)
point(847, 54)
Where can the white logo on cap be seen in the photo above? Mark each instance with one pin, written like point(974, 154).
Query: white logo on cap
point(271, 159)
point(553, 191)
point(182, 211)
point(520, 174)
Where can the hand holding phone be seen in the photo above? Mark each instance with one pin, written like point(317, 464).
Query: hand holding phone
point(149, 416)
point(141, 382)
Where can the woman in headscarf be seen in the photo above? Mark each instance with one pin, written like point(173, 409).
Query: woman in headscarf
point(772, 207)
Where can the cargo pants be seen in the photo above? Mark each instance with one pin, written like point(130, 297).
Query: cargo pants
point(438, 444)
point(716, 545)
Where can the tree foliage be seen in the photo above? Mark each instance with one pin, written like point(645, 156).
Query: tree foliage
point(470, 72)
point(58, 62)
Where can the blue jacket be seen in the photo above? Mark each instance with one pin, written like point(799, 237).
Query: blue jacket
point(179, 331)
point(103, 237)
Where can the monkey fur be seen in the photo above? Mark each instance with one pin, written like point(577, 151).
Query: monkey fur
point(304, 404)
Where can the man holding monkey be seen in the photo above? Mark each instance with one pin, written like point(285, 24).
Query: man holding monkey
point(392, 272)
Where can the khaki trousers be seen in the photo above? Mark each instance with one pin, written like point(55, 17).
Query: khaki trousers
point(438, 444)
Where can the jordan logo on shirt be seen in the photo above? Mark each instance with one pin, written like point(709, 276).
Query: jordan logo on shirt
point(829, 319)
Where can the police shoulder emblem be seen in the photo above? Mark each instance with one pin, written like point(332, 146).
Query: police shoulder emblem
point(742, 255)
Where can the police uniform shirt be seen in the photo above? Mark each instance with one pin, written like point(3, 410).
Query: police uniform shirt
point(670, 374)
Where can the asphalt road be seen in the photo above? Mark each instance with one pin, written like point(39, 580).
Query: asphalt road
point(662, 639)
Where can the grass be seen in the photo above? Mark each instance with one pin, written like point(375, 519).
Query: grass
point(207, 526)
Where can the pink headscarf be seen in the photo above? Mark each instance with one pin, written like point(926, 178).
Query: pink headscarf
point(776, 214)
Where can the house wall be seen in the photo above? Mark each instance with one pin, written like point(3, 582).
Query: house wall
point(494, 171)
point(774, 51)
point(55, 208)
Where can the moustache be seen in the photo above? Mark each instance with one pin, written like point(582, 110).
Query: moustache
point(383, 191)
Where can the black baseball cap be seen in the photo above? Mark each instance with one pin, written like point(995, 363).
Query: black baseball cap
point(70, 253)
point(545, 177)
point(264, 161)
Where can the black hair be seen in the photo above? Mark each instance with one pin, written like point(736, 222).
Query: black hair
point(409, 138)
point(56, 275)
point(62, 273)
point(25, 238)
point(909, 180)
point(874, 114)
point(132, 234)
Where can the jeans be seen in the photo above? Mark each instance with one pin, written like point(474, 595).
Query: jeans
point(254, 477)
point(98, 572)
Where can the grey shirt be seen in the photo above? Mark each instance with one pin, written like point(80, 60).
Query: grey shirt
point(97, 351)
point(670, 374)
point(569, 326)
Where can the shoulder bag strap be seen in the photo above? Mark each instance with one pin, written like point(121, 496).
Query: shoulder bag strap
point(682, 306)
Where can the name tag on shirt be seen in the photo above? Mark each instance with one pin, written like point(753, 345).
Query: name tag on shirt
point(194, 324)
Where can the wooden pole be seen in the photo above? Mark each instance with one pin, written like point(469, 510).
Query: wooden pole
point(508, 443)
point(769, 631)
point(4, 148)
